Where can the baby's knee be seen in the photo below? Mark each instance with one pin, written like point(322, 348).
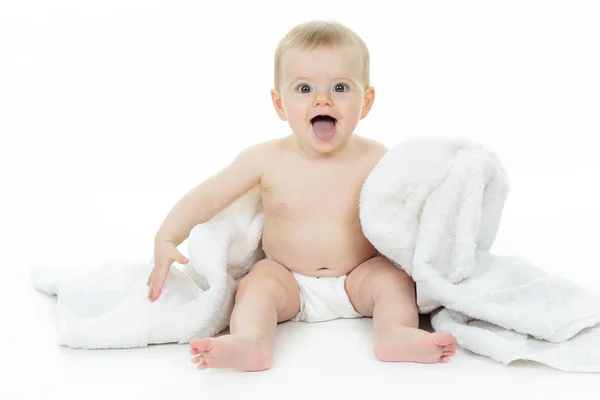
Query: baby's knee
point(262, 278)
point(253, 281)
point(270, 282)
point(386, 274)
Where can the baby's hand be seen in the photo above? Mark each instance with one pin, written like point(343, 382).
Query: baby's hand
point(165, 253)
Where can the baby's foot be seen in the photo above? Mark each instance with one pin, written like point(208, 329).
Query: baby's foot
point(415, 345)
point(237, 351)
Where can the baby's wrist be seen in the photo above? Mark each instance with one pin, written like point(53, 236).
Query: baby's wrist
point(161, 237)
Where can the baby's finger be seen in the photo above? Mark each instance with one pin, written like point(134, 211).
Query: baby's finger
point(163, 276)
point(177, 256)
point(150, 278)
point(153, 282)
point(150, 283)
point(160, 280)
point(151, 291)
point(154, 292)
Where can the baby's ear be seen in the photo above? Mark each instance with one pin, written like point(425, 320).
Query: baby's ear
point(368, 101)
point(277, 103)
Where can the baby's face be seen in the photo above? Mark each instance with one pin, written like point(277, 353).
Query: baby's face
point(322, 82)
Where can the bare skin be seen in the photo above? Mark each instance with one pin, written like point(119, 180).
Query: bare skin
point(312, 227)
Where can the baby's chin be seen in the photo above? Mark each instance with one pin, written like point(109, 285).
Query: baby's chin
point(323, 146)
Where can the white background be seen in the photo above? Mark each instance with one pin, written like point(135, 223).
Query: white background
point(111, 110)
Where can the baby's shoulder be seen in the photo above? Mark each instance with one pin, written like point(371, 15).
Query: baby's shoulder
point(372, 149)
point(261, 149)
point(261, 154)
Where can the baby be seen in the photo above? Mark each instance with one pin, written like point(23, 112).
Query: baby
point(318, 264)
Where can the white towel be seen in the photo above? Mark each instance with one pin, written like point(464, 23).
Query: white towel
point(106, 306)
point(432, 207)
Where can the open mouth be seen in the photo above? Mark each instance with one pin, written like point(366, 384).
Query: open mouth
point(323, 118)
point(324, 126)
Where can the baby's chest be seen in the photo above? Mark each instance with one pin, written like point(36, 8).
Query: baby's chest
point(305, 195)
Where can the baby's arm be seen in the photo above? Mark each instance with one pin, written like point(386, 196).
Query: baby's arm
point(214, 194)
point(199, 205)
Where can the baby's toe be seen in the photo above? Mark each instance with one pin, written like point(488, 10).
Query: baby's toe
point(201, 366)
point(449, 351)
point(197, 359)
point(443, 339)
point(202, 345)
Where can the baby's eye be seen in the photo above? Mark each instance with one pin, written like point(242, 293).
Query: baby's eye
point(303, 87)
point(340, 87)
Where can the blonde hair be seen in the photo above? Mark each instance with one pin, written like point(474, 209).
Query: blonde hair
point(318, 33)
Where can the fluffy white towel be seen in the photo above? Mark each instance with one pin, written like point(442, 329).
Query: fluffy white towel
point(106, 306)
point(433, 207)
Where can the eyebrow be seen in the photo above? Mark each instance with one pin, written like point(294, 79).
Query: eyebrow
point(335, 79)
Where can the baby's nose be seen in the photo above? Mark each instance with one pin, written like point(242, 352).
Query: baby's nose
point(322, 99)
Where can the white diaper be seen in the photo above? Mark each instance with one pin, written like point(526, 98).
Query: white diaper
point(323, 299)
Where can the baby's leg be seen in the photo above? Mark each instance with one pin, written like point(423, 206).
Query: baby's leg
point(266, 296)
point(376, 288)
